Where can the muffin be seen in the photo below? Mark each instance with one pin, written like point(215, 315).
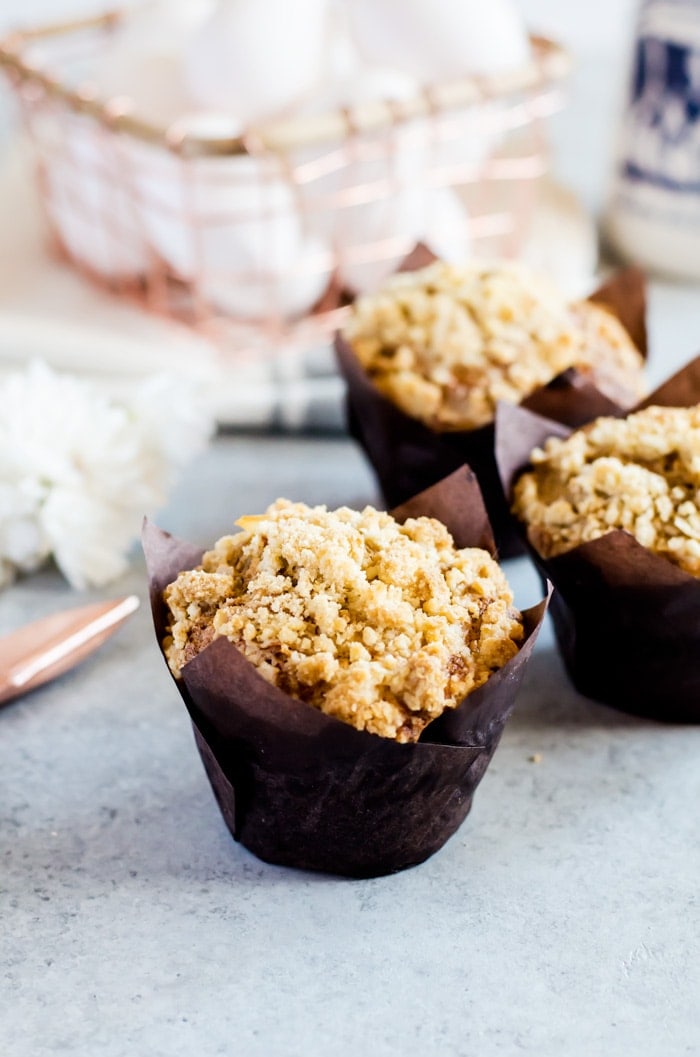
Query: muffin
point(639, 474)
point(348, 674)
point(611, 516)
point(428, 357)
point(380, 624)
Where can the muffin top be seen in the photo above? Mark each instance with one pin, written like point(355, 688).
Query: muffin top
point(445, 343)
point(380, 624)
point(640, 473)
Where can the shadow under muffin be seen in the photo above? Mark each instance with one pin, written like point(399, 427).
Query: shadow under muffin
point(626, 620)
point(303, 789)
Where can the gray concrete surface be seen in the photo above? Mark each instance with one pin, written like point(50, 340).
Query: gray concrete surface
point(561, 919)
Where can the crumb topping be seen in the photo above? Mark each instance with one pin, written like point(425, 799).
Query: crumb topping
point(380, 624)
point(640, 473)
point(445, 343)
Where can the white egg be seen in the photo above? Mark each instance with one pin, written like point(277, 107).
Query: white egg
point(258, 58)
point(88, 198)
point(459, 141)
point(393, 228)
point(343, 57)
point(233, 227)
point(350, 161)
point(204, 213)
point(446, 228)
point(357, 191)
point(360, 84)
point(441, 40)
point(271, 293)
point(90, 194)
point(369, 197)
point(143, 60)
point(151, 85)
point(153, 25)
point(377, 237)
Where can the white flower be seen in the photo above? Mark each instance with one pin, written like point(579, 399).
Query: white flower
point(80, 470)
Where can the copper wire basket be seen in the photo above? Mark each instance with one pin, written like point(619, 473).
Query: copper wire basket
point(261, 239)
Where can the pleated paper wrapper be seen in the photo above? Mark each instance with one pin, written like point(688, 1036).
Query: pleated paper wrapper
point(627, 621)
point(305, 790)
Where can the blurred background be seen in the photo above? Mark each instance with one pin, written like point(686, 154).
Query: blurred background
point(121, 256)
point(599, 35)
point(193, 192)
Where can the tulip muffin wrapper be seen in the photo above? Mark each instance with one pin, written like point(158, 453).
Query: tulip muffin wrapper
point(408, 456)
point(627, 621)
point(302, 789)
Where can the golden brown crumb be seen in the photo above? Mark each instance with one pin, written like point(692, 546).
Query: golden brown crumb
point(446, 343)
point(380, 624)
point(640, 473)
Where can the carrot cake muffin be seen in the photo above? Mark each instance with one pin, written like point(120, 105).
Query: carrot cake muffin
point(445, 343)
point(640, 473)
point(380, 624)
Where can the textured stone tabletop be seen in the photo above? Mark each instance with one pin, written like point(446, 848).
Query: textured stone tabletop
point(562, 918)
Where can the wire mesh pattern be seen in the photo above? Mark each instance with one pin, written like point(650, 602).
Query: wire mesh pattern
point(263, 238)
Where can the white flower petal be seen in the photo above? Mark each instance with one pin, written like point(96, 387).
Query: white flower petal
point(22, 543)
point(88, 539)
point(78, 470)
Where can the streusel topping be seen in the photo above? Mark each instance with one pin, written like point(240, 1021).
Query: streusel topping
point(640, 473)
point(445, 343)
point(380, 624)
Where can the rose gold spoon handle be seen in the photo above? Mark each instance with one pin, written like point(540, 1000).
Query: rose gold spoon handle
point(40, 651)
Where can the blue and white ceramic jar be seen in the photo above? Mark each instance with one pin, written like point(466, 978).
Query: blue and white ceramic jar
point(652, 216)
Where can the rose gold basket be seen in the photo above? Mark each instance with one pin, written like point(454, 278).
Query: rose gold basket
point(251, 238)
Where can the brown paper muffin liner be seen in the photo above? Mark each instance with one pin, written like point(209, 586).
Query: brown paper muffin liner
point(302, 789)
point(627, 621)
point(407, 456)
